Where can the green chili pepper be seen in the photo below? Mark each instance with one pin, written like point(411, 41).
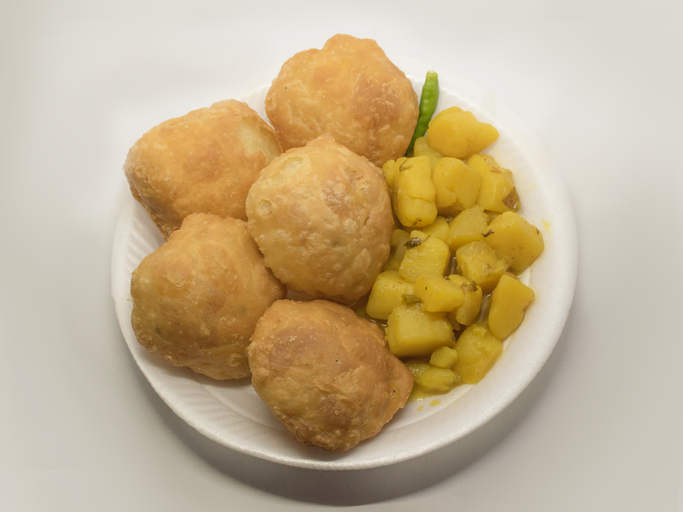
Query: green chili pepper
point(428, 100)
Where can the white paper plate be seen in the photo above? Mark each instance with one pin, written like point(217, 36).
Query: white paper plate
point(232, 414)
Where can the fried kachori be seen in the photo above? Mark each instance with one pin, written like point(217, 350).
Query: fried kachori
point(326, 373)
point(202, 162)
point(197, 298)
point(321, 216)
point(349, 89)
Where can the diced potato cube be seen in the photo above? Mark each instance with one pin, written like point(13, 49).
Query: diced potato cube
point(509, 300)
point(439, 228)
point(459, 134)
point(478, 262)
point(444, 357)
point(414, 193)
point(427, 256)
point(387, 293)
point(469, 226)
point(456, 184)
point(478, 350)
point(414, 212)
point(430, 378)
point(467, 312)
point(422, 148)
point(416, 172)
point(438, 380)
point(412, 332)
point(390, 169)
point(398, 249)
point(416, 366)
point(497, 192)
point(515, 240)
point(438, 293)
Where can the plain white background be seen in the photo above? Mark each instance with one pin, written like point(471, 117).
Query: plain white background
point(599, 81)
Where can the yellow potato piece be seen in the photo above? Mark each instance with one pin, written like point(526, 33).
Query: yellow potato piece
point(515, 240)
point(438, 293)
point(444, 357)
point(478, 262)
point(458, 134)
point(430, 378)
point(398, 249)
point(439, 228)
point(456, 185)
point(430, 257)
point(387, 293)
point(412, 332)
point(437, 380)
point(416, 366)
point(390, 169)
point(509, 300)
point(467, 312)
point(414, 193)
point(478, 350)
point(469, 226)
point(422, 148)
point(497, 192)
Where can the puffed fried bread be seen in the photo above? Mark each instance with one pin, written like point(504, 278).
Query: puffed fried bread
point(349, 89)
point(197, 298)
point(326, 373)
point(322, 217)
point(202, 162)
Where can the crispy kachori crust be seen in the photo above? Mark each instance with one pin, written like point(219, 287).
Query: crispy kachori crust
point(322, 218)
point(203, 162)
point(325, 373)
point(349, 89)
point(197, 298)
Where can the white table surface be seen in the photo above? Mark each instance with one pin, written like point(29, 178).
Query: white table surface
point(600, 82)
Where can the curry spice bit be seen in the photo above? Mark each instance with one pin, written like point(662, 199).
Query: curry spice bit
point(414, 242)
point(410, 299)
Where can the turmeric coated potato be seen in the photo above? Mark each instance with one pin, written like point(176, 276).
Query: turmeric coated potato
point(387, 293)
point(426, 255)
point(478, 350)
point(349, 89)
point(413, 332)
point(413, 192)
point(517, 241)
point(497, 192)
point(478, 262)
point(197, 298)
point(422, 148)
point(321, 216)
point(203, 162)
point(509, 300)
point(468, 226)
point(430, 378)
point(325, 373)
point(458, 134)
point(457, 186)
point(398, 249)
